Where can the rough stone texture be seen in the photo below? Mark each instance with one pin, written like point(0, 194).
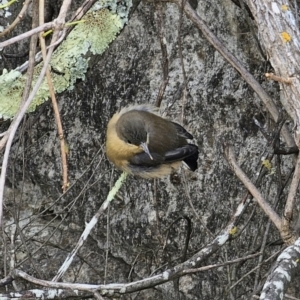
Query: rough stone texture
point(146, 232)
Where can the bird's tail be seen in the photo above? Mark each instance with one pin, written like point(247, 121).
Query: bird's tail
point(191, 160)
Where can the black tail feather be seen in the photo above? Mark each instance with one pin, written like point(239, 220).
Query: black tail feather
point(191, 160)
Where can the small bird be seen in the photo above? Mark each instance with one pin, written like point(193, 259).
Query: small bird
point(140, 142)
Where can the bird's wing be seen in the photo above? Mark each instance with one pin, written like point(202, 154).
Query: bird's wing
point(188, 153)
point(182, 132)
point(143, 159)
point(181, 153)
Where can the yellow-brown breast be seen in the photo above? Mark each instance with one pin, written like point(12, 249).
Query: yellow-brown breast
point(118, 151)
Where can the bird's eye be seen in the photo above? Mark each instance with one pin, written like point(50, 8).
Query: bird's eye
point(129, 142)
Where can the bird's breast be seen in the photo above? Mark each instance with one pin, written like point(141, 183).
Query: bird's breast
point(118, 151)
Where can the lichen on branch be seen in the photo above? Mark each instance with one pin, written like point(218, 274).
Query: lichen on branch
point(71, 60)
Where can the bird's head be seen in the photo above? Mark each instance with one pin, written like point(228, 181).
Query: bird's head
point(132, 130)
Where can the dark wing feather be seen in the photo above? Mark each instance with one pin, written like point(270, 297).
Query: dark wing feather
point(143, 159)
point(182, 153)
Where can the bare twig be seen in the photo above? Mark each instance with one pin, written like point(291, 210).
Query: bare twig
point(17, 19)
point(255, 268)
point(165, 60)
point(251, 187)
point(187, 193)
point(230, 262)
point(290, 297)
point(47, 294)
point(32, 51)
point(286, 234)
point(98, 296)
point(261, 256)
point(57, 23)
point(89, 227)
point(29, 33)
point(54, 103)
point(181, 60)
point(272, 76)
point(12, 250)
point(132, 265)
point(107, 243)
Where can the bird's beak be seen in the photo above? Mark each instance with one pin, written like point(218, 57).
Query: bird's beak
point(145, 148)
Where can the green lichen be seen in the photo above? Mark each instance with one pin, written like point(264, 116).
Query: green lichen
point(70, 61)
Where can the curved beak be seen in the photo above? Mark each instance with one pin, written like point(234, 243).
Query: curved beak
point(145, 148)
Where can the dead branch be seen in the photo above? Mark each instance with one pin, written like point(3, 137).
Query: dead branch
point(89, 227)
point(54, 104)
point(29, 33)
point(284, 270)
point(17, 20)
point(272, 76)
point(255, 268)
point(234, 261)
point(229, 152)
point(286, 234)
point(47, 294)
point(181, 60)
point(165, 59)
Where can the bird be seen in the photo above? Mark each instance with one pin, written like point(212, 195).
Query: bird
point(140, 142)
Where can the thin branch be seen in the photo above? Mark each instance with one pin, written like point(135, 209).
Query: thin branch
point(255, 268)
point(181, 60)
point(29, 33)
point(165, 60)
point(251, 187)
point(230, 262)
point(56, 24)
point(291, 297)
point(272, 76)
point(198, 217)
point(54, 103)
point(261, 256)
point(30, 70)
point(17, 19)
point(89, 227)
point(107, 243)
point(289, 206)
